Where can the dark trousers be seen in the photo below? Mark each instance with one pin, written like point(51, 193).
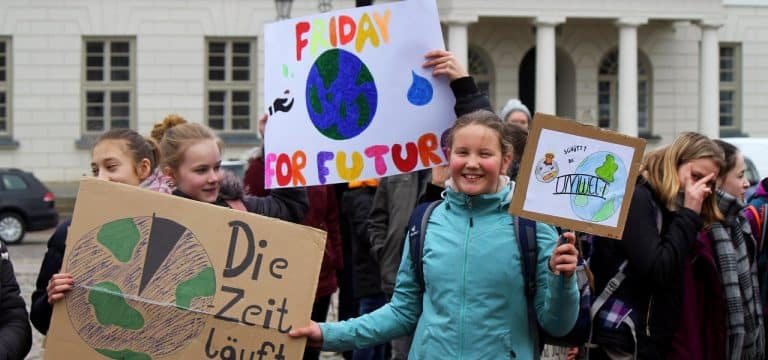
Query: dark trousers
point(379, 352)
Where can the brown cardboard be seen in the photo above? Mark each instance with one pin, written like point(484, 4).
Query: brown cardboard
point(521, 194)
point(173, 310)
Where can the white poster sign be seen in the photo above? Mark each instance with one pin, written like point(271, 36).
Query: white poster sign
point(577, 176)
point(347, 96)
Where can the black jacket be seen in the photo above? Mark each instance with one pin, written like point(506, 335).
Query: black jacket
point(653, 274)
point(15, 333)
point(41, 310)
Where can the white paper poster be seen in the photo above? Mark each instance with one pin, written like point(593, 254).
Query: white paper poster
point(348, 98)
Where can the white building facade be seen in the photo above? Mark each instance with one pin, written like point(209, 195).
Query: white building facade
point(71, 69)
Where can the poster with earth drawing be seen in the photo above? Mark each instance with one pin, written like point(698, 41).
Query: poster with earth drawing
point(347, 97)
point(163, 277)
point(577, 176)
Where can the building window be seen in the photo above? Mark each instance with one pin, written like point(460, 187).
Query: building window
point(5, 87)
point(481, 70)
point(608, 92)
point(230, 88)
point(730, 81)
point(109, 86)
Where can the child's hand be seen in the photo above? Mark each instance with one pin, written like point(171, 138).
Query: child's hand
point(696, 191)
point(444, 63)
point(312, 332)
point(565, 258)
point(58, 286)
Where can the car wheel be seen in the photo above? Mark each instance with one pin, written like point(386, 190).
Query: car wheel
point(11, 228)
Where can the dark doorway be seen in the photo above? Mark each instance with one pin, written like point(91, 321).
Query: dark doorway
point(526, 83)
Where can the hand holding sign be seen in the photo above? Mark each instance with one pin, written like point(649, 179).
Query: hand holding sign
point(312, 332)
point(444, 63)
point(565, 257)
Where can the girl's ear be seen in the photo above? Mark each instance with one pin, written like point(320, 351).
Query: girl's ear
point(143, 169)
point(506, 160)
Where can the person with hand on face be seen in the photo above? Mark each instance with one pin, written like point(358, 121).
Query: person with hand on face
point(480, 312)
point(672, 201)
point(720, 287)
point(120, 155)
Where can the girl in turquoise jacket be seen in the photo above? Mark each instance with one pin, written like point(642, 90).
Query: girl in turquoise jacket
point(473, 305)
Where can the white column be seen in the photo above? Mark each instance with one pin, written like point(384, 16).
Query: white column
point(546, 91)
point(458, 42)
point(628, 75)
point(709, 81)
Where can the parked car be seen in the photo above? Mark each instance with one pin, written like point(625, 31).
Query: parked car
point(754, 151)
point(25, 205)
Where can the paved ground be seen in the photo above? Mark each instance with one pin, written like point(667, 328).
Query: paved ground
point(26, 259)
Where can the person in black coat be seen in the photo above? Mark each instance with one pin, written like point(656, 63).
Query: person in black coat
point(15, 333)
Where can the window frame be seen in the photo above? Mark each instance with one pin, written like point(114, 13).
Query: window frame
point(229, 86)
point(733, 86)
point(107, 86)
point(643, 63)
point(6, 86)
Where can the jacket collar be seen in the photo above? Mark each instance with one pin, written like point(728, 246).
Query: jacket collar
point(499, 199)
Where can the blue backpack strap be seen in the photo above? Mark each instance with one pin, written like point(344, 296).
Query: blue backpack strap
point(525, 232)
point(417, 230)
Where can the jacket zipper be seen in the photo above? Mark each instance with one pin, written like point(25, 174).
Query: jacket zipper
point(464, 283)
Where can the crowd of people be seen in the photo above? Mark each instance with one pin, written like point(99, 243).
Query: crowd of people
point(686, 281)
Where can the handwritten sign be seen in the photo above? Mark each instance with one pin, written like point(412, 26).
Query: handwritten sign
point(165, 277)
point(577, 176)
point(348, 98)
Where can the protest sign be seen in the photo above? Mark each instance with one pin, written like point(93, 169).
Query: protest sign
point(347, 96)
point(577, 176)
point(160, 276)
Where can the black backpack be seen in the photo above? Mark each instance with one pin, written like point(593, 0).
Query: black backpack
point(525, 230)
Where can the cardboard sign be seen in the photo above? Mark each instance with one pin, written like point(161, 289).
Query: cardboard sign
point(347, 96)
point(159, 276)
point(577, 176)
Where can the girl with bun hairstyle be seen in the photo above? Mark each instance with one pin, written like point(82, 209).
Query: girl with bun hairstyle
point(191, 155)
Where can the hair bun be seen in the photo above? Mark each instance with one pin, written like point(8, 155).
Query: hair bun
point(168, 122)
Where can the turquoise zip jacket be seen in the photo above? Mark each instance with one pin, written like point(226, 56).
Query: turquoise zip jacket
point(474, 304)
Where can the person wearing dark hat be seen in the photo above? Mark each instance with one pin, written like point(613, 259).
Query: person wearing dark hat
point(515, 112)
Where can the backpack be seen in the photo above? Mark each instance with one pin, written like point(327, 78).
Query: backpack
point(759, 209)
point(525, 230)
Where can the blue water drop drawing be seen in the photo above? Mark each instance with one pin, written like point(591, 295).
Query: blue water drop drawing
point(420, 92)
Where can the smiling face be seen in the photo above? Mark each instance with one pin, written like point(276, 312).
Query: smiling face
point(476, 159)
point(111, 161)
point(734, 182)
point(199, 173)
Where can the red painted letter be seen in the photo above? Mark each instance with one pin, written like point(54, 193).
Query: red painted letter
point(347, 29)
point(427, 145)
point(411, 156)
point(301, 29)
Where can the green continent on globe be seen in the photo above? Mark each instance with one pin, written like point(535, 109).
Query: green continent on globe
point(314, 100)
point(605, 211)
point(581, 200)
point(608, 169)
point(124, 354)
point(328, 67)
point(204, 284)
point(120, 237)
point(111, 308)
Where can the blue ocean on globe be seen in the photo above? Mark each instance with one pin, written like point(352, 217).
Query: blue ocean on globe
point(608, 167)
point(341, 95)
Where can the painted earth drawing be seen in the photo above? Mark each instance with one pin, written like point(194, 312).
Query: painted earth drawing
point(341, 95)
point(144, 288)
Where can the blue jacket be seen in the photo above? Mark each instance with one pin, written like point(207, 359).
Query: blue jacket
point(474, 305)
